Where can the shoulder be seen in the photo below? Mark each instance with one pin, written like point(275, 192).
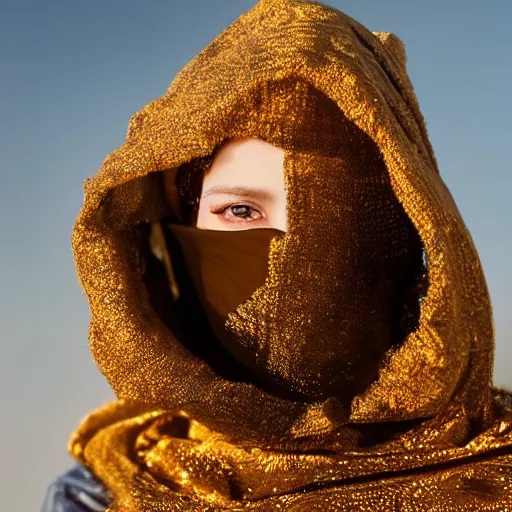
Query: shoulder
point(77, 490)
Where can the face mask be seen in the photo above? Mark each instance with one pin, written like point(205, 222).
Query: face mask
point(330, 354)
point(225, 268)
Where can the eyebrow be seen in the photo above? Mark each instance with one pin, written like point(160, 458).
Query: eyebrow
point(256, 193)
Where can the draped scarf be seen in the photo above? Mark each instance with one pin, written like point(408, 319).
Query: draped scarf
point(420, 426)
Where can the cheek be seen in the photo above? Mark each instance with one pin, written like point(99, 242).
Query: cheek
point(205, 218)
point(278, 215)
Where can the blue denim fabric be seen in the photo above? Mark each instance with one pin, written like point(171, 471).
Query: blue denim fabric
point(77, 490)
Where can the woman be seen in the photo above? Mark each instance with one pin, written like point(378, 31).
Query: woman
point(339, 357)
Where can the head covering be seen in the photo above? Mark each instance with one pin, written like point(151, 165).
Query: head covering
point(371, 420)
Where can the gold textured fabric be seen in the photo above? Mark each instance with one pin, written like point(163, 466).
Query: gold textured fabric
point(428, 432)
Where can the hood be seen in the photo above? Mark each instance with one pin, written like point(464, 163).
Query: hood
point(439, 377)
point(445, 361)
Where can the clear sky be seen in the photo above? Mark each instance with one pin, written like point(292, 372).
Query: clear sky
point(73, 72)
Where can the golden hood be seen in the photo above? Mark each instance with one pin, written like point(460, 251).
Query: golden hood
point(430, 427)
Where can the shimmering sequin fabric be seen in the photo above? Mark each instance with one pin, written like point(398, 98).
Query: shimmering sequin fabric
point(426, 431)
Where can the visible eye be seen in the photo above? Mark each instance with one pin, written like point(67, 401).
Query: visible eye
point(243, 211)
point(239, 213)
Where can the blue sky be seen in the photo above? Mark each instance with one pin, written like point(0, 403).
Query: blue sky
point(72, 75)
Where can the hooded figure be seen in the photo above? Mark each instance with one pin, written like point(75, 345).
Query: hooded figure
point(348, 365)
